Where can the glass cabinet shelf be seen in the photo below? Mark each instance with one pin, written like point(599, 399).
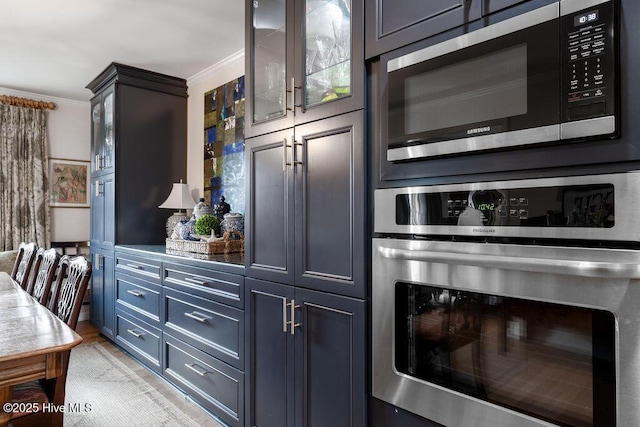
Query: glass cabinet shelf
point(328, 51)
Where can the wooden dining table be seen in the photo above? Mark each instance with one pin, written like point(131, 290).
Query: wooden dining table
point(34, 343)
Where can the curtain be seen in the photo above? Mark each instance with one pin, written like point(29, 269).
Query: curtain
point(24, 202)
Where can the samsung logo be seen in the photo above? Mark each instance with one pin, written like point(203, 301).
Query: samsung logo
point(479, 130)
point(484, 230)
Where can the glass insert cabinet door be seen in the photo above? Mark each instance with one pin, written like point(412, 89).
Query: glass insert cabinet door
point(108, 141)
point(269, 55)
point(327, 52)
point(96, 133)
point(102, 131)
point(302, 59)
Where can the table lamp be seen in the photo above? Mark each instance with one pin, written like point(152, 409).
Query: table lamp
point(180, 198)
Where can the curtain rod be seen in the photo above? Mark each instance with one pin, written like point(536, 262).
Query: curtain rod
point(25, 102)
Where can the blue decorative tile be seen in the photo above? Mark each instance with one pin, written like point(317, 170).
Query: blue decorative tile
point(239, 92)
point(211, 135)
point(224, 144)
point(235, 147)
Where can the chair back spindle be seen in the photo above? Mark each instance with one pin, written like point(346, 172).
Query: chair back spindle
point(69, 288)
point(44, 270)
point(24, 262)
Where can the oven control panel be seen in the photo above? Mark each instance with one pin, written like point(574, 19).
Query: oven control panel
point(587, 207)
point(562, 206)
point(589, 58)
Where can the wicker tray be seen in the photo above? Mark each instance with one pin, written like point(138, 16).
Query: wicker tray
point(225, 245)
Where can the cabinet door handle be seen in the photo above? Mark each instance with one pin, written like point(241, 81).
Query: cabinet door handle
point(98, 192)
point(96, 261)
point(293, 97)
point(97, 162)
point(135, 293)
point(194, 281)
point(198, 317)
point(284, 315)
point(292, 322)
point(197, 369)
point(284, 155)
point(295, 152)
point(134, 266)
point(134, 333)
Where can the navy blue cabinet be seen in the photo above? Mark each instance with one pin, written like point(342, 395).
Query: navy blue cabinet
point(306, 357)
point(183, 318)
point(138, 307)
point(102, 291)
point(305, 214)
point(138, 131)
point(391, 24)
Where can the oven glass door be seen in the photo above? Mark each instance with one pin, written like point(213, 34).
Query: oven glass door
point(505, 84)
point(546, 360)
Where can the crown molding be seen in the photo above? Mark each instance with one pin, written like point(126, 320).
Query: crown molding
point(215, 68)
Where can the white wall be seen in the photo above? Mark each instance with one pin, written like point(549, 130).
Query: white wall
point(214, 76)
point(69, 133)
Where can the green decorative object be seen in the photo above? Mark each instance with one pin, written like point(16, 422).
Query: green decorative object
point(206, 223)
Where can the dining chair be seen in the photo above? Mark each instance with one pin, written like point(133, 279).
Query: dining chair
point(69, 287)
point(24, 261)
point(44, 271)
point(65, 302)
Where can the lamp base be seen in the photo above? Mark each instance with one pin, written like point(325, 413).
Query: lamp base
point(174, 219)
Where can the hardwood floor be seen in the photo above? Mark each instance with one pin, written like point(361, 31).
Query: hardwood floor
point(90, 335)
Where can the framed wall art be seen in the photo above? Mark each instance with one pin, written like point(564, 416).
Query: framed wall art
point(69, 183)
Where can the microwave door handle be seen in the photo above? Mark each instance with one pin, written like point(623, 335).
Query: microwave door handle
point(537, 265)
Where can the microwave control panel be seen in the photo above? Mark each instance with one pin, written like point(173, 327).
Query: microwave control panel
point(589, 71)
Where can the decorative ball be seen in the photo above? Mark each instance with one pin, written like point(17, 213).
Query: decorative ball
point(206, 223)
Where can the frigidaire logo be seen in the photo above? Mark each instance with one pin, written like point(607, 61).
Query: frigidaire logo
point(479, 130)
point(484, 230)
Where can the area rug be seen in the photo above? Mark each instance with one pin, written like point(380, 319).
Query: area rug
point(102, 391)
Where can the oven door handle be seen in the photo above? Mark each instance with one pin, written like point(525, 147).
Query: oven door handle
point(538, 265)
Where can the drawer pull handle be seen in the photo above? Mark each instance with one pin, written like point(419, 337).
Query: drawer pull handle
point(197, 282)
point(198, 316)
point(135, 266)
point(134, 333)
point(197, 369)
point(135, 293)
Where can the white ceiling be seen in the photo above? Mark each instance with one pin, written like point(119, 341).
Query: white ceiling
point(56, 47)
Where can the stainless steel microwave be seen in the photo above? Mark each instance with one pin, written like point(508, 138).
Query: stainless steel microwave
point(545, 76)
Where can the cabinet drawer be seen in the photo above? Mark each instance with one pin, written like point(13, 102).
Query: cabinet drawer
point(214, 285)
point(139, 296)
point(141, 339)
point(212, 327)
point(138, 266)
point(215, 385)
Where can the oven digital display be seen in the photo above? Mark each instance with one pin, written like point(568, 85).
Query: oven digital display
point(586, 18)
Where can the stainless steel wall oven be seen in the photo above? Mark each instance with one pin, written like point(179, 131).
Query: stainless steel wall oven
point(509, 303)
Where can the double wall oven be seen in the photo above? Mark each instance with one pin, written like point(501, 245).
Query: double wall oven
point(509, 303)
point(506, 233)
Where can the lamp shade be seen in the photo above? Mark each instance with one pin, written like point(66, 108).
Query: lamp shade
point(180, 198)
